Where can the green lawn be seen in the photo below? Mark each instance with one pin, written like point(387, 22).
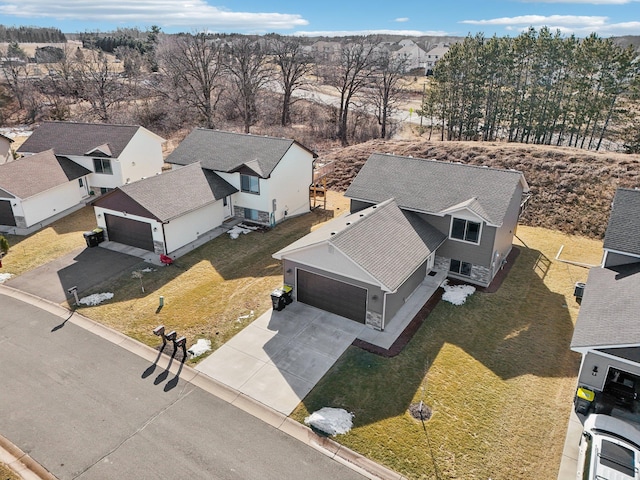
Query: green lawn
point(497, 372)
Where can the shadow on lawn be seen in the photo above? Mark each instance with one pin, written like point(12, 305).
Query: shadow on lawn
point(522, 329)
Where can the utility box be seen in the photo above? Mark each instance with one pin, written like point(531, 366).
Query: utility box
point(578, 291)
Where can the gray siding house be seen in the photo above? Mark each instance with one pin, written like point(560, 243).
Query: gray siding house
point(607, 332)
point(410, 219)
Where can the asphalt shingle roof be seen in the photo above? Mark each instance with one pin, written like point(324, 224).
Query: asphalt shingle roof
point(623, 230)
point(382, 240)
point(609, 310)
point(179, 191)
point(227, 152)
point(33, 174)
point(431, 186)
point(69, 138)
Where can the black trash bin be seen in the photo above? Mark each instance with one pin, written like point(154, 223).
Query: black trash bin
point(287, 292)
point(278, 299)
point(99, 234)
point(91, 238)
point(583, 400)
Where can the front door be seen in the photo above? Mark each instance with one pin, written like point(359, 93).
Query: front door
point(228, 211)
point(82, 185)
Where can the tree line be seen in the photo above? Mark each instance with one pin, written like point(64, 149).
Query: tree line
point(31, 35)
point(538, 87)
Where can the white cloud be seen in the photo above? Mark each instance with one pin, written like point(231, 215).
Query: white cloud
point(402, 19)
point(579, 25)
point(195, 13)
point(347, 33)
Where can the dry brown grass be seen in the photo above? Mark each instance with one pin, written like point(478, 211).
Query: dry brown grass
point(56, 240)
point(7, 474)
point(572, 189)
point(497, 372)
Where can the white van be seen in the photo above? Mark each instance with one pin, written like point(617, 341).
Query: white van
point(609, 449)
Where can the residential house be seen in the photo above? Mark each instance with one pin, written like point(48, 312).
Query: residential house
point(114, 154)
point(165, 212)
point(433, 56)
point(38, 189)
point(6, 155)
point(410, 218)
point(413, 55)
point(272, 175)
point(607, 332)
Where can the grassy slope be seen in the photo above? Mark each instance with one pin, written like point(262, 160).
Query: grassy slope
point(497, 372)
point(572, 189)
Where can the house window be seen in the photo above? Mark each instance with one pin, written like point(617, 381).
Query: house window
point(104, 190)
point(459, 267)
point(250, 184)
point(80, 182)
point(224, 202)
point(465, 230)
point(251, 214)
point(102, 165)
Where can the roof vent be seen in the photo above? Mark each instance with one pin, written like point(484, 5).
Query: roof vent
point(333, 233)
point(375, 206)
point(362, 214)
point(348, 223)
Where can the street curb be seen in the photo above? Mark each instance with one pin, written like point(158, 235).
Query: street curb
point(272, 417)
point(21, 463)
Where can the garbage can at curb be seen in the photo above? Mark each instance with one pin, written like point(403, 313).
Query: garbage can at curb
point(91, 238)
point(99, 233)
point(583, 400)
point(278, 299)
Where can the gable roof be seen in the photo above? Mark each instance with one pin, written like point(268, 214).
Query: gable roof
point(623, 229)
point(7, 138)
point(70, 138)
point(229, 152)
point(37, 173)
point(171, 194)
point(386, 242)
point(434, 187)
point(609, 310)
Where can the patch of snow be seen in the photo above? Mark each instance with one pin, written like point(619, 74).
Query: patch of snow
point(456, 294)
point(244, 317)
point(333, 421)
point(148, 269)
point(202, 346)
point(96, 298)
point(5, 276)
point(237, 230)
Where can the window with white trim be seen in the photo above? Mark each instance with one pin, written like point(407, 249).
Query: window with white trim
point(102, 165)
point(250, 184)
point(465, 230)
point(460, 267)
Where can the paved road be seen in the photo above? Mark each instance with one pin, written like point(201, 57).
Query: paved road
point(86, 408)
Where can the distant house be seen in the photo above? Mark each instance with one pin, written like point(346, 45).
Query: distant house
point(433, 56)
point(409, 217)
point(607, 332)
point(114, 154)
point(413, 55)
point(38, 189)
point(165, 212)
point(271, 175)
point(326, 51)
point(6, 155)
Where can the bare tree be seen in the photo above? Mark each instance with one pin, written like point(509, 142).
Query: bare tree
point(245, 62)
point(192, 67)
point(294, 65)
point(387, 94)
point(15, 71)
point(349, 75)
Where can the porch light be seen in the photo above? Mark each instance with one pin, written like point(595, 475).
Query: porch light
point(594, 372)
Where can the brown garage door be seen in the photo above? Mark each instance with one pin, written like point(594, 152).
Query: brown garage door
point(6, 214)
point(130, 232)
point(332, 295)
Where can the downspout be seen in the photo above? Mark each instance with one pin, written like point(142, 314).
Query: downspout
point(384, 310)
point(164, 238)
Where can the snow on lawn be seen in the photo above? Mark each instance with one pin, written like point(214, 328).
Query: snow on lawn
point(332, 421)
point(96, 298)
point(201, 346)
point(456, 294)
point(4, 277)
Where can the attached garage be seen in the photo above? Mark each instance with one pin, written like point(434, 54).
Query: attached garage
point(6, 214)
point(129, 231)
point(332, 295)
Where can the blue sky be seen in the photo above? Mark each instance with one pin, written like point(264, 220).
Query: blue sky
point(331, 17)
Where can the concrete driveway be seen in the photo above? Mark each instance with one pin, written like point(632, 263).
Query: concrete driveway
point(85, 268)
point(280, 357)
